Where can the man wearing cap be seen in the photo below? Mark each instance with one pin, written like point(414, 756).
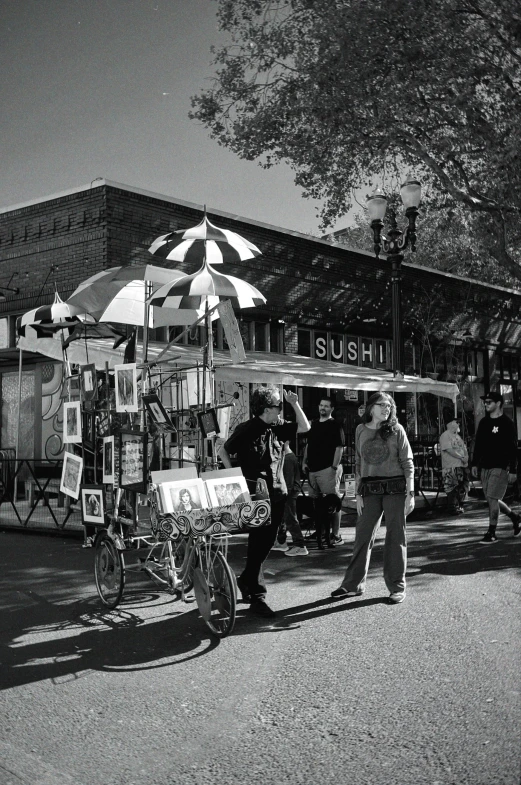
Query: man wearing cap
point(495, 457)
point(454, 462)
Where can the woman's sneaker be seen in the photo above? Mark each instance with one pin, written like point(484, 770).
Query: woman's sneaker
point(280, 546)
point(297, 550)
point(489, 537)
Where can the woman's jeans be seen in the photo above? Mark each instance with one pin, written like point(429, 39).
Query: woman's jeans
point(395, 548)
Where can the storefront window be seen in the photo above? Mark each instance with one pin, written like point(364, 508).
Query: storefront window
point(304, 343)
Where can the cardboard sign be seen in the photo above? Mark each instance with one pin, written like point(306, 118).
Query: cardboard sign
point(231, 331)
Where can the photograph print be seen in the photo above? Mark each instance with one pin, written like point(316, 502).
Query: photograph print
point(133, 461)
point(72, 422)
point(71, 475)
point(126, 387)
point(92, 504)
point(108, 459)
point(227, 490)
point(183, 495)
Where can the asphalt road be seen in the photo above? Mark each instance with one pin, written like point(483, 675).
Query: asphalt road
point(356, 691)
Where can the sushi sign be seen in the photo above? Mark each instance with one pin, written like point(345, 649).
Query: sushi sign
point(352, 350)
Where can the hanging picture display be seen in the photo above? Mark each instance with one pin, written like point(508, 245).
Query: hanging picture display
point(126, 387)
point(72, 422)
point(133, 461)
point(108, 459)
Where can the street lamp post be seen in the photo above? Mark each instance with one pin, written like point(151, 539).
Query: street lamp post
point(393, 246)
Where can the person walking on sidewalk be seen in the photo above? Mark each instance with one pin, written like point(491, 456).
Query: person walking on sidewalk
point(454, 463)
point(258, 445)
point(323, 456)
point(290, 521)
point(495, 459)
point(384, 475)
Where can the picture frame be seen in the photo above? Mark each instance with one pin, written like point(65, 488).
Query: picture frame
point(158, 414)
point(133, 463)
point(72, 422)
point(70, 387)
point(183, 495)
point(88, 382)
point(71, 475)
point(126, 387)
point(92, 504)
point(208, 423)
point(108, 460)
point(225, 488)
point(88, 429)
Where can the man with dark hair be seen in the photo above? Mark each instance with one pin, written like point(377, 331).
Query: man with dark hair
point(322, 458)
point(259, 447)
point(495, 457)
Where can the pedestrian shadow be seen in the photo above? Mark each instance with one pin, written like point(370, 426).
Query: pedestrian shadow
point(294, 616)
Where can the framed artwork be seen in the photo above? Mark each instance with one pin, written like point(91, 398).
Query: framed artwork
point(227, 490)
point(183, 495)
point(92, 504)
point(70, 388)
point(126, 387)
point(88, 382)
point(208, 423)
point(71, 475)
point(88, 431)
point(157, 413)
point(133, 467)
point(72, 422)
point(108, 459)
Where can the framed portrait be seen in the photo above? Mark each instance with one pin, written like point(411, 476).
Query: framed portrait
point(88, 382)
point(226, 489)
point(133, 467)
point(71, 475)
point(92, 504)
point(108, 459)
point(126, 387)
point(208, 423)
point(157, 413)
point(72, 422)
point(183, 495)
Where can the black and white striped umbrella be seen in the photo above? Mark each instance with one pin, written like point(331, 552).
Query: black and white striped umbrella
point(48, 319)
point(119, 294)
point(204, 242)
point(191, 294)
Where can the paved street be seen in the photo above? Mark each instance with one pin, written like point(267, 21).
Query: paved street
point(356, 691)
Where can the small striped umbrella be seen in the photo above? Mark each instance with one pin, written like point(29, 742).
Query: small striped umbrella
point(204, 242)
point(119, 294)
point(48, 319)
point(206, 286)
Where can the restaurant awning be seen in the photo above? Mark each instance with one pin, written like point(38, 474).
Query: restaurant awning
point(260, 367)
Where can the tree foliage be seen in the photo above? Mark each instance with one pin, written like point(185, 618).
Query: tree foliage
point(348, 91)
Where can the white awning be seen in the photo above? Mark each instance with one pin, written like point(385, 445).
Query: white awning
point(260, 367)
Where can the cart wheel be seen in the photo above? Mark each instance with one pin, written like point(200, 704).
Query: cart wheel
point(109, 571)
point(215, 592)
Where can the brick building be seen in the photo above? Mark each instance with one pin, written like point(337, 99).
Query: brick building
point(324, 301)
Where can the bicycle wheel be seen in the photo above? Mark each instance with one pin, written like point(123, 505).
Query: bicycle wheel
point(109, 571)
point(215, 592)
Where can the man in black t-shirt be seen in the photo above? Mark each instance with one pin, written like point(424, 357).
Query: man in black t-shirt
point(495, 458)
point(323, 456)
point(259, 447)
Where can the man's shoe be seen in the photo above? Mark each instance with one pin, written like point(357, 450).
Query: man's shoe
point(396, 597)
point(243, 588)
point(336, 539)
point(516, 520)
point(489, 537)
point(280, 546)
point(343, 592)
point(297, 550)
point(260, 608)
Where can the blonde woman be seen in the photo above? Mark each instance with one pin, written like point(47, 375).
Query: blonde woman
point(384, 474)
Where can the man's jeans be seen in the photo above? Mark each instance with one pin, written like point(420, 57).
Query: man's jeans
point(260, 543)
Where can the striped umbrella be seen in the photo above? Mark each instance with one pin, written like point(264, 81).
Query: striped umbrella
point(48, 319)
point(119, 294)
point(204, 241)
point(206, 286)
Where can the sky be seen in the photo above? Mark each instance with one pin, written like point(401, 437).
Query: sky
point(101, 88)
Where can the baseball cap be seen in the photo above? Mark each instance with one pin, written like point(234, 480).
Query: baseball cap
point(492, 396)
